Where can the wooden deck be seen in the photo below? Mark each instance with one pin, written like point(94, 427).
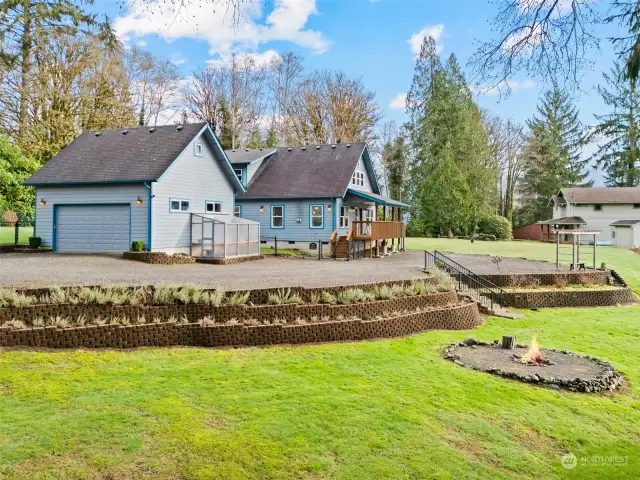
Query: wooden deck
point(375, 230)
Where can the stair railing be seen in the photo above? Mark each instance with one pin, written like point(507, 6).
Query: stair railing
point(487, 292)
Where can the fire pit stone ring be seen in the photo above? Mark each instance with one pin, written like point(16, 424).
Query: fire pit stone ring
point(554, 368)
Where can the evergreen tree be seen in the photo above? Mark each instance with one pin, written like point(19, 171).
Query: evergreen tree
point(272, 137)
point(255, 140)
point(446, 132)
point(395, 163)
point(620, 129)
point(552, 155)
point(225, 124)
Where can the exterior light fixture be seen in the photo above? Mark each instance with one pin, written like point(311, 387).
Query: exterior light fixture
point(261, 208)
point(43, 202)
point(139, 201)
point(328, 207)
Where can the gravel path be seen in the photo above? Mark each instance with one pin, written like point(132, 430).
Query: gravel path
point(43, 269)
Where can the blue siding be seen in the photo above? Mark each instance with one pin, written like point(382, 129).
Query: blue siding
point(293, 210)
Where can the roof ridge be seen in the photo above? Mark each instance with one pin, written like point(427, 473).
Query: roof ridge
point(146, 127)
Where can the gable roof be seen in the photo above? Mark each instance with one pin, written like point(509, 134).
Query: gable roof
point(248, 155)
point(601, 195)
point(112, 156)
point(624, 223)
point(307, 172)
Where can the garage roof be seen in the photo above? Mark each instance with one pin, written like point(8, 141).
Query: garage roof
point(625, 223)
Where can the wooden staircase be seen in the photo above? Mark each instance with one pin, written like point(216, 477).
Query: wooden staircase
point(339, 245)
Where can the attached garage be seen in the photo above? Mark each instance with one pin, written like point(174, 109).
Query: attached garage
point(626, 233)
point(92, 228)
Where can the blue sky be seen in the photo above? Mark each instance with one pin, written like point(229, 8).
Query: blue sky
point(364, 38)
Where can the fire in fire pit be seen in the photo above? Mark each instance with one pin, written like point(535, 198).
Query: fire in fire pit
point(533, 356)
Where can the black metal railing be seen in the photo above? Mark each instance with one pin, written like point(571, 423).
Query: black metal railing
point(355, 250)
point(16, 233)
point(466, 281)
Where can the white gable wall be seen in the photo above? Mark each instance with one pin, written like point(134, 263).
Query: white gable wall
point(197, 179)
point(599, 220)
point(367, 181)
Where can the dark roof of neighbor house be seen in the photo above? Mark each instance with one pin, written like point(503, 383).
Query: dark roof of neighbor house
point(248, 155)
point(558, 200)
point(624, 223)
point(564, 221)
point(140, 154)
point(306, 172)
point(601, 195)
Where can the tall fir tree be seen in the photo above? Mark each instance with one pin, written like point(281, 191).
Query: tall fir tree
point(552, 158)
point(619, 151)
point(225, 124)
point(395, 164)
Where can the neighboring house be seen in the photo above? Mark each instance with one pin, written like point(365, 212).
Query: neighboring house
point(304, 194)
point(615, 211)
point(109, 188)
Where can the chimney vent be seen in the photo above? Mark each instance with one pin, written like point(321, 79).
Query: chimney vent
point(317, 147)
point(152, 129)
point(289, 149)
point(124, 132)
point(304, 148)
point(97, 134)
point(179, 127)
point(348, 145)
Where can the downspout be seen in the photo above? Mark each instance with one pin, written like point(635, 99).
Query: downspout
point(149, 232)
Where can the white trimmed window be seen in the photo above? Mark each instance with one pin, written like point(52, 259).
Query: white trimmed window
point(238, 172)
point(277, 216)
point(197, 149)
point(237, 211)
point(358, 178)
point(213, 207)
point(344, 217)
point(176, 205)
point(316, 216)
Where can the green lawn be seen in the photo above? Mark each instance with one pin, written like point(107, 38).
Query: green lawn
point(8, 235)
point(622, 260)
point(370, 410)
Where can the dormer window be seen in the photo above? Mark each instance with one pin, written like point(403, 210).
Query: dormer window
point(357, 179)
point(239, 174)
point(197, 149)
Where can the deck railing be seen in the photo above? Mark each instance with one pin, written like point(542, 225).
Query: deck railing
point(375, 230)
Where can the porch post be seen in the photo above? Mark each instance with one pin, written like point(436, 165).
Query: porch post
point(393, 240)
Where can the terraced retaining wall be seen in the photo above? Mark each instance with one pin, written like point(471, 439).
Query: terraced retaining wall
point(598, 277)
point(568, 298)
point(223, 313)
point(457, 317)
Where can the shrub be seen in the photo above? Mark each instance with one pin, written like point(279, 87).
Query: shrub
point(315, 298)
point(284, 297)
point(495, 225)
point(137, 246)
point(420, 287)
point(351, 295)
point(238, 298)
point(11, 298)
point(329, 298)
point(35, 242)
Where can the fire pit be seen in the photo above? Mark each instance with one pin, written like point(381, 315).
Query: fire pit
point(532, 364)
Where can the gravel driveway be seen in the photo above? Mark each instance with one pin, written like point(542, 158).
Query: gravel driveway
point(44, 269)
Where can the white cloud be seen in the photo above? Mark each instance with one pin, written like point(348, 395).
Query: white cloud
point(434, 31)
point(398, 102)
point(201, 20)
point(177, 58)
point(142, 43)
point(503, 87)
point(259, 59)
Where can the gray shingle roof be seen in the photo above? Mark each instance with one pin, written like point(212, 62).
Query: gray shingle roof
point(625, 223)
point(248, 155)
point(564, 221)
point(111, 156)
point(305, 172)
point(602, 195)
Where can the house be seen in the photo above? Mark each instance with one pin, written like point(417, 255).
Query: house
point(318, 193)
point(614, 211)
point(171, 187)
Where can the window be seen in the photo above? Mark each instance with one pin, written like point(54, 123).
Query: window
point(213, 207)
point(613, 233)
point(277, 216)
point(237, 211)
point(358, 178)
point(636, 205)
point(344, 217)
point(316, 216)
point(179, 206)
point(597, 207)
point(238, 172)
point(197, 149)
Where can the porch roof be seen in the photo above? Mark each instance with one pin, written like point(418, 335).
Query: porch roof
point(358, 196)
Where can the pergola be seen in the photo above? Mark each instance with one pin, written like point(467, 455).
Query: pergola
point(575, 234)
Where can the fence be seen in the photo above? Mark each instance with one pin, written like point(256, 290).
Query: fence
point(16, 233)
point(317, 248)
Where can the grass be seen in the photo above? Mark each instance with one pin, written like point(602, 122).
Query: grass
point(382, 409)
point(8, 235)
point(622, 260)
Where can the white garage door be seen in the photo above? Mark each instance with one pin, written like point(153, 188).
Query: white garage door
point(624, 237)
point(92, 228)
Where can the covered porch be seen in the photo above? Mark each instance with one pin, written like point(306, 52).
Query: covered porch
point(367, 235)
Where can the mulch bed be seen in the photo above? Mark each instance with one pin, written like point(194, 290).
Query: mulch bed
point(567, 370)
